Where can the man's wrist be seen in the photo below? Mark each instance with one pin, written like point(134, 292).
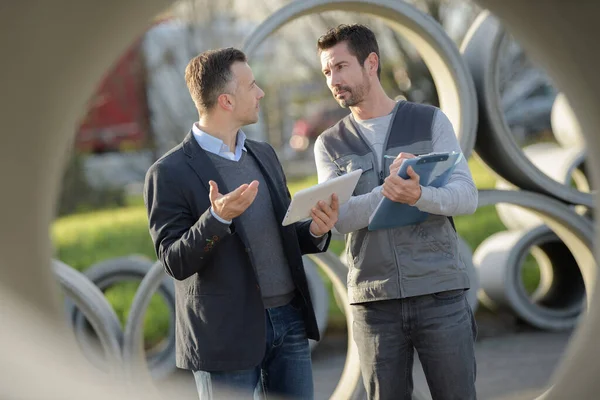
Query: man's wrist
point(310, 230)
point(424, 198)
point(316, 236)
point(220, 219)
point(419, 197)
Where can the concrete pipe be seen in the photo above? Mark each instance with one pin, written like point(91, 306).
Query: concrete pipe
point(78, 44)
point(573, 230)
point(319, 297)
point(559, 299)
point(350, 386)
point(562, 37)
point(467, 256)
point(451, 77)
point(495, 145)
point(338, 300)
point(153, 281)
point(565, 127)
point(106, 274)
point(97, 310)
point(136, 367)
point(564, 165)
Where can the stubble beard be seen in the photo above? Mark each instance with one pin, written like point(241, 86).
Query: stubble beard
point(356, 95)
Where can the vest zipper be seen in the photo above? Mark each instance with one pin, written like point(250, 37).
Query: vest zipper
point(381, 181)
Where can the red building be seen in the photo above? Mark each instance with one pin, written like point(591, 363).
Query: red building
point(117, 117)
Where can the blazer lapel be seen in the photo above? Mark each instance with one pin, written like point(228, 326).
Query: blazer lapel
point(266, 164)
point(204, 168)
point(202, 164)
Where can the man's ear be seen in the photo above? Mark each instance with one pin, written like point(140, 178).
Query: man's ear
point(372, 63)
point(225, 101)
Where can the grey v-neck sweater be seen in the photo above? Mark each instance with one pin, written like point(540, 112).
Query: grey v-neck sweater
point(262, 229)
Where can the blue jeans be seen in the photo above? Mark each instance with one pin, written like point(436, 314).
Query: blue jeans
point(286, 369)
point(442, 329)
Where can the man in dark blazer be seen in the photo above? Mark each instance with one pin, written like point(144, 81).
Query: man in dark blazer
point(215, 204)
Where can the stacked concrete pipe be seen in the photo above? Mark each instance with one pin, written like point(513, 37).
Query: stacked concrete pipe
point(565, 126)
point(564, 165)
point(108, 273)
point(83, 294)
point(495, 144)
point(544, 168)
point(559, 299)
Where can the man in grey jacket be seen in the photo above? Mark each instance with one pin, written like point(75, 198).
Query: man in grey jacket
point(407, 285)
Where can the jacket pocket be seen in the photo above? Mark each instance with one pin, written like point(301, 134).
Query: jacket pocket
point(426, 250)
point(354, 162)
point(372, 258)
point(434, 233)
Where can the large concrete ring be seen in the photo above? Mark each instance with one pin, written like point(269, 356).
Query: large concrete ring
point(109, 272)
point(136, 367)
point(559, 163)
point(466, 254)
point(154, 280)
point(557, 304)
point(576, 232)
point(90, 301)
point(563, 38)
point(319, 297)
point(495, 144)
point(565, 127)
point(350, 385)
point(451, 76)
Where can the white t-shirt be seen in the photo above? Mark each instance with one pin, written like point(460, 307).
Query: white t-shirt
point(375, 131)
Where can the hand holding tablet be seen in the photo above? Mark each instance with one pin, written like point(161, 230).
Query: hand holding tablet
point(306, 199)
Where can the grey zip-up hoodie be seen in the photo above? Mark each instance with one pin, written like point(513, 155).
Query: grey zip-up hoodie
point(407, 261)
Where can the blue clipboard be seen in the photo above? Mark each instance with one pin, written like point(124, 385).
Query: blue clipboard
point(434, 170)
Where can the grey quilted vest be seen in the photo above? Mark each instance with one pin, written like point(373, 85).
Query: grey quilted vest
point(401, 262)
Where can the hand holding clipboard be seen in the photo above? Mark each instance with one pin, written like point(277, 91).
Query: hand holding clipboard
point(398, 189)
point(433, 169)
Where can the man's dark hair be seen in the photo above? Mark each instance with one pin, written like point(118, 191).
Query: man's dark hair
point(360, 39)
point(208, 74)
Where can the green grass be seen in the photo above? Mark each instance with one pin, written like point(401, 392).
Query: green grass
point(83, 239)
point(156, 320)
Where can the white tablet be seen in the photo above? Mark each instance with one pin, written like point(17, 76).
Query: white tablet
point(304, 200)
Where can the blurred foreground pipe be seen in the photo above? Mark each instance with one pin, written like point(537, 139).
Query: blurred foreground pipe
point(78, 41)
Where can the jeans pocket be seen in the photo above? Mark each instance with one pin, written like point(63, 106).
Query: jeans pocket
point(474, 327)
point(296, 303)
point(449, 295)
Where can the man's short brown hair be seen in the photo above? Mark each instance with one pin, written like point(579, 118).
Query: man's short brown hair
point(360, 39)
point(208, 74)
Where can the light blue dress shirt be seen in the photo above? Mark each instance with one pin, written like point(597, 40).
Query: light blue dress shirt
point(217, 146)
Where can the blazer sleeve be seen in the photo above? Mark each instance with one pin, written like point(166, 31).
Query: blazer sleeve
point(307, 242)
point(183, 244)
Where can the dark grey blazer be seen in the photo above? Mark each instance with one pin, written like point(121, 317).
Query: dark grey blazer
point(220, 317)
